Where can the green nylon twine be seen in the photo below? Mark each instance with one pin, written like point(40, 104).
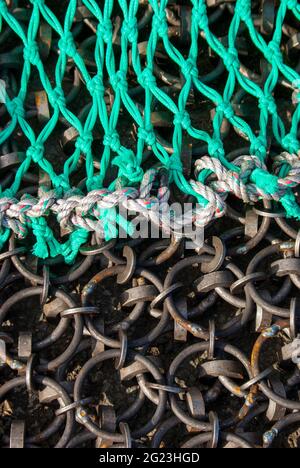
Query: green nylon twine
point(113, 65)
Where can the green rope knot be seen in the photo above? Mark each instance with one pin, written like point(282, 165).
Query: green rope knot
point(112, 140)
point(57, 98)
point(147, 134)
point(291, 143)
point(199, 14)
point(183, 119)
point(273, 53)
point(216, 148)
point(84, 142)
point(95, 86)
point(267, 102)
point(243, 9)
point(265, 181)
point(15, 107)
point(259, 147)
point(70, 249)
point(105, 31)
point(160, 24)
point(119, 81)
point(227, 109)
point(231, 59)
point(147, 79)
point(67, 44)
point(174, 163)
point(61, 183)
point(36, 152)
point(45, 240)
point(31, 53)
point(127, 164)
point(189, 69)
point(130, 29)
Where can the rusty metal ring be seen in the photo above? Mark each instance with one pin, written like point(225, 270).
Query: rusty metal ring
point(159, 300)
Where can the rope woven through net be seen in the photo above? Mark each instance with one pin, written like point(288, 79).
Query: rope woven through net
point(255, 176)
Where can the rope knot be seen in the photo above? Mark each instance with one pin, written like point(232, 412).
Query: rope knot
point(60, 182)
point(273, 52)
point(15, 107)
point(243, 9)
point(215, 148)
point(291, 143)
point(227, 109)
point(259, 147)
point(36, 152)
point(57, 98)
point(189, 68)
point(119, 81)
point(127, 164)
point(95, 86)
point(183, 119)
point(84, 142)
point(31, 53)
point(147, 79)
point(147, 134)
point(268, 102)
point(231, 59)
point(104, 31)
point(130, 29)
point(112, 140)
point(159, 23)
point(174, 163)
point(265, 181)
point(67, 44)
point(200, 15)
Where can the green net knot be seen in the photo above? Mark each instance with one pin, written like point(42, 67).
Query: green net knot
point(200, 15)
point(61, 183)
point(147, 79)
point(130, 29)
point(183, 119)
point(273, 53)
point(67, 44)
point(189, 69)
point(231, 59)
point(227, 109)
point(31, 53)
point(174, 163)
point(243, 9)
point(147, 134)
point(267, 102)
point(95, 86)
point(159, 23)
point(84, 142)
point(265, 181)
point(45, 240)
point(36, 152)
point(291, 143)
point(57, 98)
point(127, 164)
point(112, 140)
point(15, 107)
point(70, 249)
point(119, 81)
point(259, 147)
point(105, 31)
point(216, 148)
